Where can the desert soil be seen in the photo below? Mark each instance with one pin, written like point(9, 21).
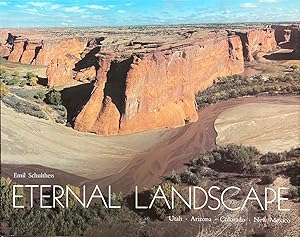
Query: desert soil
point(29, 140)
point(180, 146)
point(269, 127)
point(31, 144)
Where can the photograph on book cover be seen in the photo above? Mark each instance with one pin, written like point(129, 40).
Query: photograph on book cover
point(134, 118)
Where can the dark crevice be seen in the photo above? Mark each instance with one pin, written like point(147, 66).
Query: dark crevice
point(90, 59)
point(244, 39)
point(24, 48)
point(116, 83)
point(74, 98)
point(36, 52)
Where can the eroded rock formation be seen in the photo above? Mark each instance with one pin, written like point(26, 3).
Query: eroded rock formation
point(146, 84)
point(288, 37)
point(255, 41)
point(156, 90)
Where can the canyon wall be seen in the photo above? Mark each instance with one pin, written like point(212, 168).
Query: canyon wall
point(288, 37)
point(254, 41)
point(156, 90)
point(148, 89)
point(43, 52)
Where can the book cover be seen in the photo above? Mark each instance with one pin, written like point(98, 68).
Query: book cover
point(136, 118)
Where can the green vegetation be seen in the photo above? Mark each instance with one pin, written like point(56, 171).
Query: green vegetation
point(3, 89)
point(235, 159)
point(14, 81)
point(33, 81)
point(237, 86)
point(230, 158)
point(40, 95)
point(275, 157)
point(188, 177)
point(6, 208)
point(24, 107)
point(160, 208)
point(2, 74)
point(22, 83)
point(53, 97)
point(30, 75)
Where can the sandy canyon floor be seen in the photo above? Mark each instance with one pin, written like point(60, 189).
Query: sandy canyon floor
point(268, 126)
point(31, 144)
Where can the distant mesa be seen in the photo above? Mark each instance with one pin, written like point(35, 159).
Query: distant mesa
point(148, 82)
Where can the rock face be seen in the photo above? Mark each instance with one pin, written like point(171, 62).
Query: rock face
point(30, 53)
point(57, 48)
point(255, 41)
point(86, 75)
point(17, 51)
point(59, 71)
point(156, 90)
point(288, 36)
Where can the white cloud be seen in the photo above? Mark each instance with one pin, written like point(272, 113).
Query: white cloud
point(74, 9)
point(121, 11)
point(39, 4)
point(248, 5)
point(45, 4)
point(55, 6)
point(98, 7)
point(3, 3)
point(268, 1)
point(31, 11)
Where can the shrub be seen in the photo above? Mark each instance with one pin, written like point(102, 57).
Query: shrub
point(229, 158)
point(267, 179)
point(33, 81)
point(40, 95)
point(14, 81)
point(294, 192)
point(6, 198)
point(3, 90)
point(2, 74)
point(24, 107)
point(53, 97)
point(160, 208)
point(189, 177)
point(22, 83)
point(174, 177)
point(30, 75)
point(237, 86)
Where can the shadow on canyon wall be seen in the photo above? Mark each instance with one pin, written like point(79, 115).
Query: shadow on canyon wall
point(75, 97)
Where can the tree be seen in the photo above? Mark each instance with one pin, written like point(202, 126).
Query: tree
point(7, 209)
point(54, 97)
point(3, 89)
point(33, 81)
point(2, 74)
point(40, 95)
point(29, 75)
point(160, 207)
point(14, 81)
point(22, 83)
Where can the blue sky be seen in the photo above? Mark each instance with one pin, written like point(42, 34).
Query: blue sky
point(20, 13)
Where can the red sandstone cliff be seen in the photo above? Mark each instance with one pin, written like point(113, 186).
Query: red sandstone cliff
point(255, 41)
point(156, 90)
point(288, 37)
point(147, 89)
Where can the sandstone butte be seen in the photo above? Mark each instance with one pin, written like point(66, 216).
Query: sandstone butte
point(138, 90)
